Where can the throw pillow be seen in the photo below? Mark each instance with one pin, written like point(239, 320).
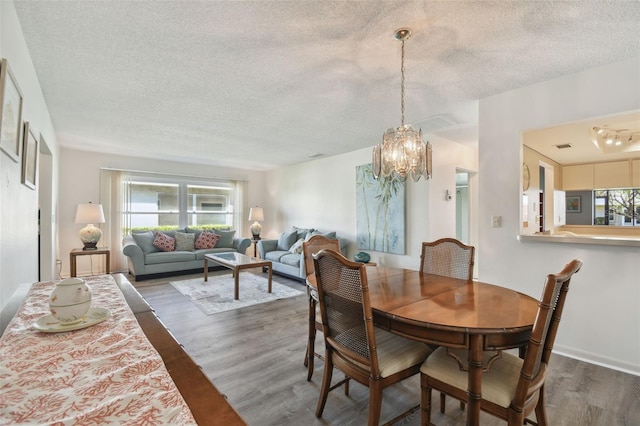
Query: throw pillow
point(226, 238)
point(207, 240)
point(195, 232)
point(301, 231)
point(296, 248)
point(331, 235)
point(145, 241)
point(286, 240)
point(185, 242)
point(164, 242)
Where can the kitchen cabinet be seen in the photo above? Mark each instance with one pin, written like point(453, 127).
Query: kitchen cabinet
point(635, 177)
point(578, 177)
point(615, 174)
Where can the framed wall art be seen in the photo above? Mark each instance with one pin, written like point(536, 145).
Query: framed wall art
point(574, 204)
point(380, 212)
point(10, 112)
point(29, 157)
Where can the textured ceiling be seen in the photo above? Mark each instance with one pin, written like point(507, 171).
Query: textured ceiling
point(261, 84)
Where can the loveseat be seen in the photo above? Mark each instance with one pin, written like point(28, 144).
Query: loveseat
point(146, 260)
point(285, 253)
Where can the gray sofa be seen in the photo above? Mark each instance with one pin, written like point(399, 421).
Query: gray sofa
point(285, 253)
point(145, 260)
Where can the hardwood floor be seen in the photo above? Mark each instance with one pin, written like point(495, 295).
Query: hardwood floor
point(255, 356)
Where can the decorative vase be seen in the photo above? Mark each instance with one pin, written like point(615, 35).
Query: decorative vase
point(362, 257)
point(70, 300)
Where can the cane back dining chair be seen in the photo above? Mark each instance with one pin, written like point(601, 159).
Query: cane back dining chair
point(512, 388)
point(309, 247)
point(450, 258)
point(447, 257)
point(373, 357)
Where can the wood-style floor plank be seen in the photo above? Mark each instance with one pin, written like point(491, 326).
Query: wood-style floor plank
point(255, 357)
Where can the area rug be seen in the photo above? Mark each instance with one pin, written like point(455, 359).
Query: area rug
point(216, 295)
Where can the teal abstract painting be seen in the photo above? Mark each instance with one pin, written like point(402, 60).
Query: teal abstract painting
point(380, 217)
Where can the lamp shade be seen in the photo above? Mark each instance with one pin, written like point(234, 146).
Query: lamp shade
point(256, 213)
point(89, 213)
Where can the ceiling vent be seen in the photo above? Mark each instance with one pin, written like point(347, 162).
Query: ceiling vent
point(563, 146)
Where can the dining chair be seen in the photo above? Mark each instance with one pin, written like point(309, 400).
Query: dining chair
point(369, 355)
point(450, 258)
point(447, 257)
point(309, 247)
point(512, 388)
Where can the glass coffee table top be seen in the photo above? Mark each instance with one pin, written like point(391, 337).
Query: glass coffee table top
point(233, 258)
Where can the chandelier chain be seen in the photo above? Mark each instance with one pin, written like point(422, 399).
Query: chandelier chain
point(402, 84)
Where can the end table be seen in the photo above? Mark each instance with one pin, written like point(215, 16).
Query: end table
point(80, 252)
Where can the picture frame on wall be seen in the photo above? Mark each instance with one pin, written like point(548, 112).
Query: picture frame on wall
point(10, 112)
point(574, 204)
point(29, 157)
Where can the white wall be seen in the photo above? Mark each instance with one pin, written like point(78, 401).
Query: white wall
point(19, 204)
point(601, 320)
point(80, 183)
point(322, 194)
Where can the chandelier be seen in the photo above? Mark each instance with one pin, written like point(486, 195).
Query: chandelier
point(402, 152)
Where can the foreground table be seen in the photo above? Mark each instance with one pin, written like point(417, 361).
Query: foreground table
point(103, 360)
point(453, 313)
point(236, 262)
point(105, 373)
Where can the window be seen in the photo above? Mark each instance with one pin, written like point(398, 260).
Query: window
point(153, 202)
point(617, 207)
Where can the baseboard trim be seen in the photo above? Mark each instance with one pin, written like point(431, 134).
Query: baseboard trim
point(593, 358)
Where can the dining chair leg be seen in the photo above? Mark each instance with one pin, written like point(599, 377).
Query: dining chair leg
point(311, 344)
point(375, 402)
point(425, 401)
point(541, 413)
point(443, 402)
point(326, 384)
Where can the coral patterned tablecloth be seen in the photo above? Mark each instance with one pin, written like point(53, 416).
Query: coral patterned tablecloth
point(108, 373)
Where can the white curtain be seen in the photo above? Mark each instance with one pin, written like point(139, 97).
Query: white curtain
point(114, 194)
point(239, 203)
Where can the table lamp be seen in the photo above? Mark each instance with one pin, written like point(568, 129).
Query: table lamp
point(90, 214)
point(256, 214)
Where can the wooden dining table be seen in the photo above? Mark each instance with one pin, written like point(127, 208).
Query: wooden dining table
point(454, 313)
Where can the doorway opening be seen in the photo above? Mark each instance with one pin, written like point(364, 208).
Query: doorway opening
point(462, 206)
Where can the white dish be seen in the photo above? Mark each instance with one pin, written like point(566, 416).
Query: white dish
point(49, 324)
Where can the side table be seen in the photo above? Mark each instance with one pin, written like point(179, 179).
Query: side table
point(80, 252)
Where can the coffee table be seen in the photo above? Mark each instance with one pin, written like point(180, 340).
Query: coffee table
point(236, 262)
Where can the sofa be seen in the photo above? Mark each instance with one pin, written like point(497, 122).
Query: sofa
point(147, 260)
point(285, 253)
